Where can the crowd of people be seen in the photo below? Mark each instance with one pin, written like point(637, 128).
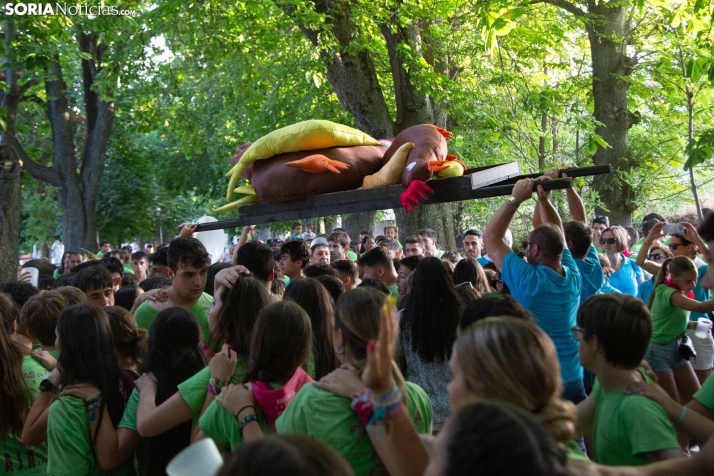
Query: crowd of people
point(586, 350)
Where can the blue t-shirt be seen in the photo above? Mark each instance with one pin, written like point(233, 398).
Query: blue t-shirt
point(482, 261)
point(700, 294)
point(591, 276)
point(607, 288)
point(553, 301)
point(645, 289)
point(625, 279)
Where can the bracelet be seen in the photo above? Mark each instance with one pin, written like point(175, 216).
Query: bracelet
point(215, 385)
point(371, 409)
point(386, 397)
point(245, 421)
point(92, 405)
point(681, 416)
point(247, 406)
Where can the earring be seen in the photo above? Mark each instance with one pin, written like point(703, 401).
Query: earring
point(339, 350)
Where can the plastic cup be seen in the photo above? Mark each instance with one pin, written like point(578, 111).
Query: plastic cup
point(703, 326)
point(201, 458)
point(34, 275)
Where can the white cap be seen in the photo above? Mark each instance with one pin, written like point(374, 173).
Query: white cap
point(318, 241)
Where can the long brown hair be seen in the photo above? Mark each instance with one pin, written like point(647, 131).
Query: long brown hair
point(280, 343)
point(674, 266)
point(512, 360)
point(312, 296)
point(13, 389)
point(87, 356)
point(235, 320)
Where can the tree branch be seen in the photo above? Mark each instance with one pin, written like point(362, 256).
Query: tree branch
point(567, 6)
point(40, 172)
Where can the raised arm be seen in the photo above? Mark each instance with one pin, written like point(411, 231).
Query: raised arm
point(247, 230)
point(396, 440)
point(691, 233)
point(500, 221)
point(575, 203)
point(548, 213)
point(642, 261)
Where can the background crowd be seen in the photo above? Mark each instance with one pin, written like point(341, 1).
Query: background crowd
point(584, 350)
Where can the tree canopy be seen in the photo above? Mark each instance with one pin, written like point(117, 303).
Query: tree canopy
point(188, 82)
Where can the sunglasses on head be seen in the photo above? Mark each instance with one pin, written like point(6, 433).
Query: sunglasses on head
point(655, 256)
point(609, 241)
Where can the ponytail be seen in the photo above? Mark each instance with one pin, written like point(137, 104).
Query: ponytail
point(676, 267)
point(663, 272)
point(128, 339)
point(558, 417)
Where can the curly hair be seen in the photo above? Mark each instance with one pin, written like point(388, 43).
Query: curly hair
point(432, 311)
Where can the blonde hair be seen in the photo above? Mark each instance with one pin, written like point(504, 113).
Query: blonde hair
point(513, 361)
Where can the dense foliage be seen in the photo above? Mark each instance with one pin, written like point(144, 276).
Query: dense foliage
point(513, 80)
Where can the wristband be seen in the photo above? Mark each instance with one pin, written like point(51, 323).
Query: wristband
point(245, 421)
point(681, 416)
point(92, 405)
point(215, 385)
point(247, 406)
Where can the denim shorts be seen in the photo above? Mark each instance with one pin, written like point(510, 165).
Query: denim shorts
point(665, 357)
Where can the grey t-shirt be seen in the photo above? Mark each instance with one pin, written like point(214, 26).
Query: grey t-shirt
point(432, 377)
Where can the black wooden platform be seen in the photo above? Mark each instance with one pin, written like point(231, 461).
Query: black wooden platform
point(480, 182)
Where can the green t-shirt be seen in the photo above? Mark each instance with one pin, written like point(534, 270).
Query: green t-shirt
point(626, 427)
point(394, 290)
point(128, 268)
point(128, 421)
point(145, 314)
point(352, 256)
point(667, 321)
point(193, 390)
point(574, 451)
point(309, 366)
point(329, 418)
point(219, 424)
point(68, 444)
point(705, 395)
point(20, 459)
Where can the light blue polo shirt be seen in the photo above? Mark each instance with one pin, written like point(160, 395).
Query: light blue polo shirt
point(591, 276)
point(553, 301)
point(625, 279)
point(645, 289)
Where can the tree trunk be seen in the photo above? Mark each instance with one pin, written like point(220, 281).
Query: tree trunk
point(78, 180)
point(608, 31)
point(437, 217)
point(353, 76)
point(357, 222)
point(10, 211)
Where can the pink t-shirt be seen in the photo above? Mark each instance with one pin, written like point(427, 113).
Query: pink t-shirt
point(274, 402)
